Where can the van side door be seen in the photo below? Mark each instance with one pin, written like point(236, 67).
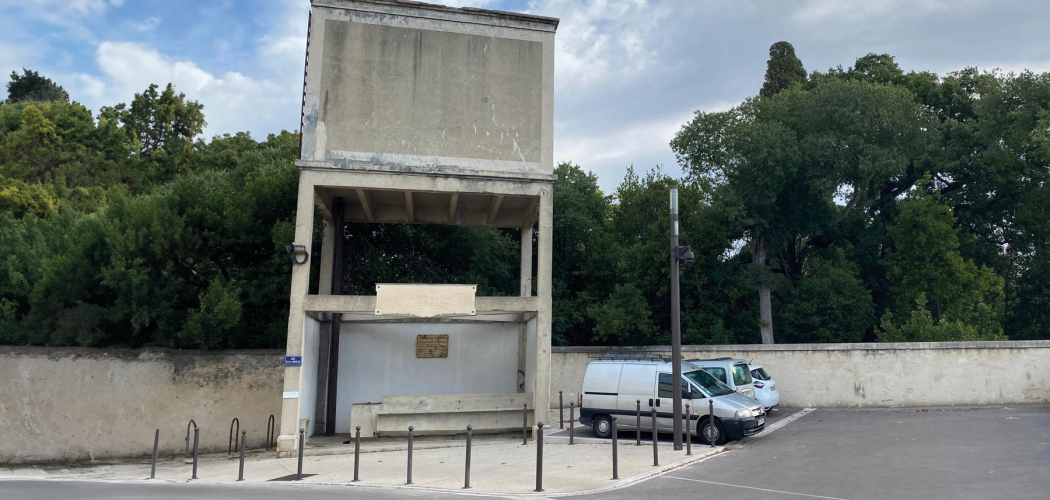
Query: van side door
point(637, 383)
point(665, 393)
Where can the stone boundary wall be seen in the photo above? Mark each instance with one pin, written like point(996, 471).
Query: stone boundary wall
point(864, 375)
point(76, 404)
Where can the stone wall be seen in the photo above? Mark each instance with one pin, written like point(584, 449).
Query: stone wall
point(866, 375)
point(76, 404)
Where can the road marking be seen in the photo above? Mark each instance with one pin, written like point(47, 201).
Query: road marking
point(778, 424)
point(752, 488)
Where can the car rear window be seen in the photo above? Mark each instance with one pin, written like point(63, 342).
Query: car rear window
point(718, 373)
point(740, 375)
point(760, 374)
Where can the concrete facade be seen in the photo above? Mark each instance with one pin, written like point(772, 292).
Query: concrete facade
point(421, 114)
point(866, 375)
point(77, 404)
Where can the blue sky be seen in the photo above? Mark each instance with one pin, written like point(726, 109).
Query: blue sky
point(628, 73)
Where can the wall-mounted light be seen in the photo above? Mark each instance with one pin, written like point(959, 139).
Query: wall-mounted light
point(295, 252)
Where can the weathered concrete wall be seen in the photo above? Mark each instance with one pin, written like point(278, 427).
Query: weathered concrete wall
point(75, 404)
point(868, 375)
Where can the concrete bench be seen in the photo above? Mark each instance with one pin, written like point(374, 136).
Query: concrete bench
point(450, 414)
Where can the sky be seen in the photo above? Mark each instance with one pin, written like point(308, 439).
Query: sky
point(628, 73)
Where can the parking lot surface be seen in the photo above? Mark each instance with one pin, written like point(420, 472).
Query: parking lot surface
point(959, 453)
point(996, 453)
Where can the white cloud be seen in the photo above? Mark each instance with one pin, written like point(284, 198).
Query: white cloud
point(68, 14)
point(232, 102)
point(148, 25)
point(603, 41)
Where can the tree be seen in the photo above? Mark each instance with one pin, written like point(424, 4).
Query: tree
point(924, 267)
point(163, 126)
point(783, 70)
point(792, 168)
point(31, 86)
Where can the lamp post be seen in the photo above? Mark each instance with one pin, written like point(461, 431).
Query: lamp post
point(678, 254)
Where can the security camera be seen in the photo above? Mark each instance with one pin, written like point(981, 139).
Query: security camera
point(685, 254)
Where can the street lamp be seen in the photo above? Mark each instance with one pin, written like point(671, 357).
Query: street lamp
point(678, 254)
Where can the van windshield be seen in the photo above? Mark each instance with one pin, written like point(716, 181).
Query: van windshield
point(741, 376)
point(708, 383)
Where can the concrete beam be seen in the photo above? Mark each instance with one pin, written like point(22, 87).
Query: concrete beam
point(410, 208)
point(366, 304)
point(453, 207)
point(494, 205)
point(366, 203)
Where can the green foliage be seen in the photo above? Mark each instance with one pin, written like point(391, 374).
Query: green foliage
point(783, 70)
point(30, 86)
point(875, 193)
point(922, 327)
point(20, 198)
point(925, 265)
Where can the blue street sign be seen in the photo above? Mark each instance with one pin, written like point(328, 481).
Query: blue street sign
point(293, 361)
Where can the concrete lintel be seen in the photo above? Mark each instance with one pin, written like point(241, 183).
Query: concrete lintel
point(365, 304)
point(356, 168)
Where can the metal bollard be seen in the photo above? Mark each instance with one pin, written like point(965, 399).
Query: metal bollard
point(156, 441)
point(616, 474)
point(357, 453)
point(539, 456)
point(188, 424)
point(638, 422)
point(561, 412)
point(302, 451)
point(572, 420)
point(525, 424)
point(233, 436)
point(410, 429)
point(711, 421)
point(656, 455)
point(466, 477)
point(271, 432)
point(244, 444)
point(196, 442)
point(688, 434)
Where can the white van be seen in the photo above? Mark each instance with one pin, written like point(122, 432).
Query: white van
point(620, 387)
point(729, 371)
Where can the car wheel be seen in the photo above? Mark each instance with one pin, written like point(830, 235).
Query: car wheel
point(602, 426)
point(709, 432)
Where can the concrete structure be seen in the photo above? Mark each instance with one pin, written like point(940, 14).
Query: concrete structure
point(421, 114)
point(867, 375)
point(77, 404)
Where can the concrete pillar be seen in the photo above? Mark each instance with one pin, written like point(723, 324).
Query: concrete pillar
point(324, 280)
point(544, 251)
point(287, 440)
point(526, 262)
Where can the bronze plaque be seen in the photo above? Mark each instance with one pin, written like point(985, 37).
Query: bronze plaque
point(431, 346)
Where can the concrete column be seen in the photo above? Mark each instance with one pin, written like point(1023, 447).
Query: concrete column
point(287, 440)
point(324, 281)
point(541, 391)
point(526, 262)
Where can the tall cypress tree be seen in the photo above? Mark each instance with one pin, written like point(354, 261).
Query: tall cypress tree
point(783, 70)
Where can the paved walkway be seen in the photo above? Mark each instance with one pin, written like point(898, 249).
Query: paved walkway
point(498, 466)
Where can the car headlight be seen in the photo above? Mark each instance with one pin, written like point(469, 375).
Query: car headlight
point(744, 414)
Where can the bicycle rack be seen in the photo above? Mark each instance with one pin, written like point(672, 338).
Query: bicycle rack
point(234, 436)
point(270, 432)
point(194, 424)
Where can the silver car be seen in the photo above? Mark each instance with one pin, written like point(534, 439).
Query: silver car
point(729, 371)
point(626, 388)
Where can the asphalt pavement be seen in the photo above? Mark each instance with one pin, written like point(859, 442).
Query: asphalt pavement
point(999, 452)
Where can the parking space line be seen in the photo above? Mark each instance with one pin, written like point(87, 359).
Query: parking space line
point(752, 488)
point(786, 420)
